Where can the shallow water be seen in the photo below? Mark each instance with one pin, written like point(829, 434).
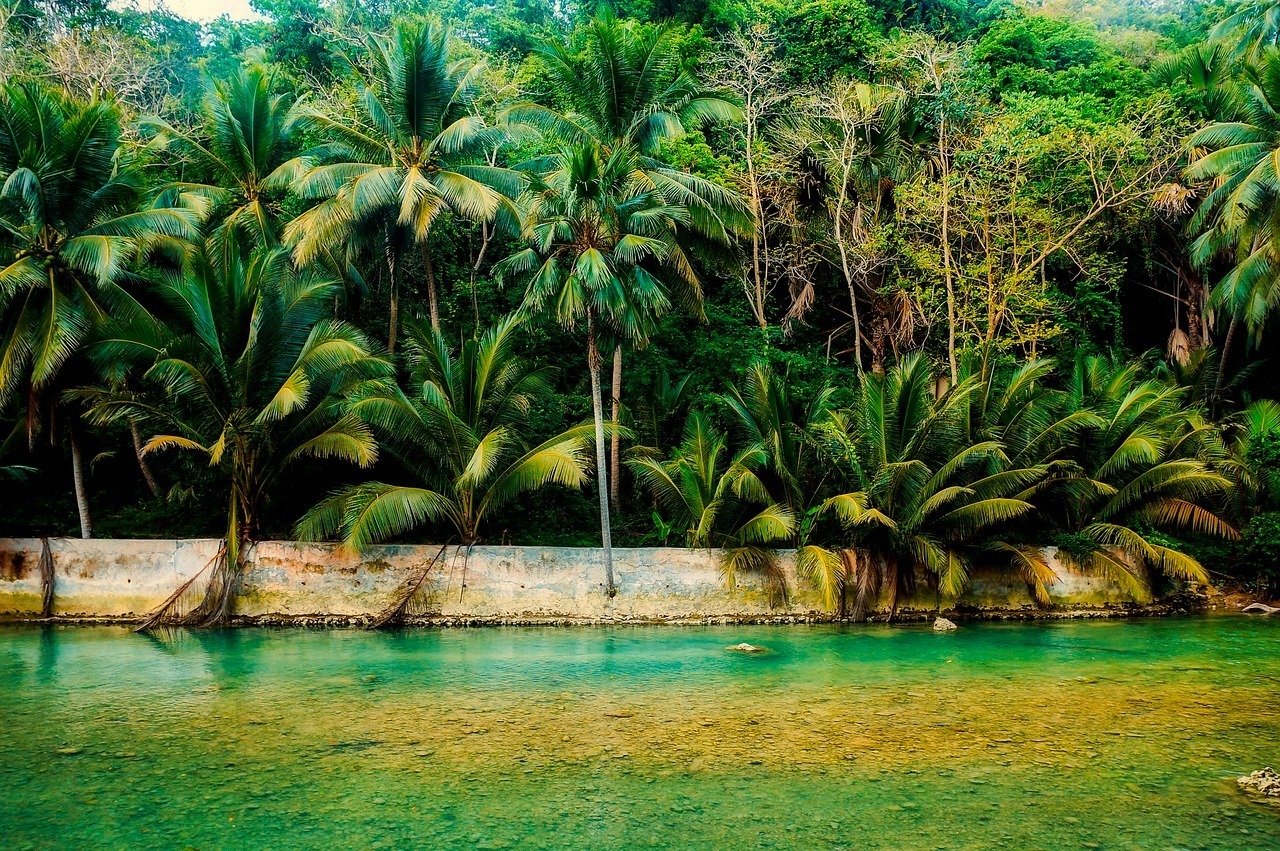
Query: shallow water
point(1107, 734)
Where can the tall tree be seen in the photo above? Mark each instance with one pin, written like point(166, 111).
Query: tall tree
point(241, 161)
point(853, 130)
point(416, 153)
point(617, 98)
point(258, 376)
point(1239, 217)
point(750, 66)
point(72, 218)
point(603, 251)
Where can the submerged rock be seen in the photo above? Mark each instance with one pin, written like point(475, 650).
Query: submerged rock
point(744, 647)
point(1260, 609)
point(1265, 782)
point(943, 625)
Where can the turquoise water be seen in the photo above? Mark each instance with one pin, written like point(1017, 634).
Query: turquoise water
point(1057, 735)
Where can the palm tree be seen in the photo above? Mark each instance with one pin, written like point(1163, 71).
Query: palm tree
point(417, 152)
point(1251, 463)
point(623, 86)
point(777, 422)
point(1252, 27)
point(241, 162)
point(461, 438)
point(923, 498)
point(1144, 471)
point(603, 252)
point(719, 499)
point(258, 377)
point(1239, 218)
point(72, 218)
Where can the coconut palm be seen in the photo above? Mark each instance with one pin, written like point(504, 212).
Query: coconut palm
point(923, 498)
point(772, 419)
point(1251, 28)
point(416, 153)
point(241, 161)
point(1144, 471)
point(258, 377)
point(719, 499)
point(462, 440)
point(1017, 406)
point(623, 85)
point(1251, 461)
point(72, 218)
point(1239, 218)
point(603, 252)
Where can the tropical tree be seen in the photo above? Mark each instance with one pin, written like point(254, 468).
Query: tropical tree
point(854, 132)
point(416, 153)
point(719, 499)
point(73, 215)
point(1239, 217)
point(603, 251)
point(772, 418)
point(623, 86)
point(461, 438)
point(1251, 27)
point(1145, 472)
point(240, 163)
point(923, 499)
point(258, 376)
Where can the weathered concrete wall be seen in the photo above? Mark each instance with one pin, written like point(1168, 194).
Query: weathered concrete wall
point(124, 578)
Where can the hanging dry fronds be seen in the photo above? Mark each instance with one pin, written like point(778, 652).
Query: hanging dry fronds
point(185, 605)
point(408, 593)
point(1179, 347)
point(1173, 200)
point(46, 579)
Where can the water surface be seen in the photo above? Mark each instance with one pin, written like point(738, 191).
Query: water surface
point(1110, 734)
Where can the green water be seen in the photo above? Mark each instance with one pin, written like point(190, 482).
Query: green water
point(1057, 735)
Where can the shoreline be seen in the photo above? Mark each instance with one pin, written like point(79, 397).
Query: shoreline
point(1183, 605)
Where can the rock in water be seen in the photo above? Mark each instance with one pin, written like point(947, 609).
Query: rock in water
point(1265, 782)
point(943, 625)
point(744, 647)
point(1260, 609)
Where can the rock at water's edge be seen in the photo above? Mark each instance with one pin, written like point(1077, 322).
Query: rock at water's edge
point(943, 625)
point(1265, 782)
point(1260, 609)
point(744, 647)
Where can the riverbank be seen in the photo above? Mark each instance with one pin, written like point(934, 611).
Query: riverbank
point(291, 583)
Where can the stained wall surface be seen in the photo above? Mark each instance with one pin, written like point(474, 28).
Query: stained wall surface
point(128, 578)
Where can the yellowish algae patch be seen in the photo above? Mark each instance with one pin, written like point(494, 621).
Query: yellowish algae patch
point(1124, 735)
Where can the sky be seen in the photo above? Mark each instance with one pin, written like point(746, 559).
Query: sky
point(206, 10)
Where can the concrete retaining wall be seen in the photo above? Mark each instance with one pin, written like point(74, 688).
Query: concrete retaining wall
point(127, 578)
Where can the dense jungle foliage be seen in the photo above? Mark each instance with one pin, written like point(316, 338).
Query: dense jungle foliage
point(911, 287)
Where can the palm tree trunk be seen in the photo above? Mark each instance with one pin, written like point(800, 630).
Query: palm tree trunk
point(432, 301)
point(757, 275)
point(1223, 360)
point(485, 239)
point(615, 459)
point(143, 465)
point(77, 475)
point(602, 471)
point(394, 287)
